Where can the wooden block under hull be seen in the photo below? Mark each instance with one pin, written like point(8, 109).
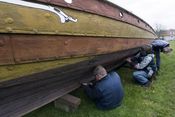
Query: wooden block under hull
point(68, 103)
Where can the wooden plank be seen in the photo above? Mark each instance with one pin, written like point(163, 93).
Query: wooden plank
point(6, 92)
point(81, 66)
point(24, 48)
point(29, 103)
point(6, 53)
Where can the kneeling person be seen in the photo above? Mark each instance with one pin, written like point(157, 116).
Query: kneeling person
point(107, 92)
point(144, 68)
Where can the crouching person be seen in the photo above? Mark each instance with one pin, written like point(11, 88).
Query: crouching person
point(144, 68)
point(107, 91)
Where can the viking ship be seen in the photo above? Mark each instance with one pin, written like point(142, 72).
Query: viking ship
point(55, 44)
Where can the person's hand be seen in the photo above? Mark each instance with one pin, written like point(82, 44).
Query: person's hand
point(91, 84)
point(84, 84)
point(136, 66)
point(150, 73)
point(128, 60)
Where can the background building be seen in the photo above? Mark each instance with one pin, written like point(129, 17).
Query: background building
point(167, 34)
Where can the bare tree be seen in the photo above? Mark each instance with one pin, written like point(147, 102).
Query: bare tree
point(158, 29)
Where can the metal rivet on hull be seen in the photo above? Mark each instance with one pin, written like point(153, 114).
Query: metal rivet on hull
point(9, 29)
point(9, 20)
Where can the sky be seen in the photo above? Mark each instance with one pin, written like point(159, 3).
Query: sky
point(154, 12)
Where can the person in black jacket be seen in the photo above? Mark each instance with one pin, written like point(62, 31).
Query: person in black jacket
point(107, 92)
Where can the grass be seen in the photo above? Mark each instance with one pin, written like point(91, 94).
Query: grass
point(155, 101)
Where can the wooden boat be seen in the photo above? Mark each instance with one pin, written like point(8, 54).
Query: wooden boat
point(32, 32)
point(77, 36)
point(37, 32)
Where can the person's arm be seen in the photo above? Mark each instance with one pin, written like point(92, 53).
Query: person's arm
point(150, 72)
point(130, 61)
point(147, 59)
point(92, 92)
point(114, 74)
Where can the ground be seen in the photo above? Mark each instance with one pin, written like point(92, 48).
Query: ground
point(156, 101)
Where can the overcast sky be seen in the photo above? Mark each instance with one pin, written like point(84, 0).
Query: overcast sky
point(154, 12)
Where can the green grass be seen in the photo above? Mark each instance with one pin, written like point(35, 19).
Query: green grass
point(155, 101)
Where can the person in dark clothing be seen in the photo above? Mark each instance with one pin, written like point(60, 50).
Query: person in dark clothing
point(107, 92)
point(160, 46)
point(144, 66)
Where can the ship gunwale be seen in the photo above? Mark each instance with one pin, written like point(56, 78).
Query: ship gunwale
point(72, 6)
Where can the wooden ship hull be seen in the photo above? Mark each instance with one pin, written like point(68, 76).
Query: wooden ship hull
point(76, 37)
point(30, 34)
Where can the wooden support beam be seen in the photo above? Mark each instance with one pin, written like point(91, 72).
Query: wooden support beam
point(68, 103)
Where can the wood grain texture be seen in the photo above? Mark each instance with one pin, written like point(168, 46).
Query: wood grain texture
point(25, 94)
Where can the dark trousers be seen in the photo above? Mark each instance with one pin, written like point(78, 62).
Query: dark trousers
point(157, 54)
